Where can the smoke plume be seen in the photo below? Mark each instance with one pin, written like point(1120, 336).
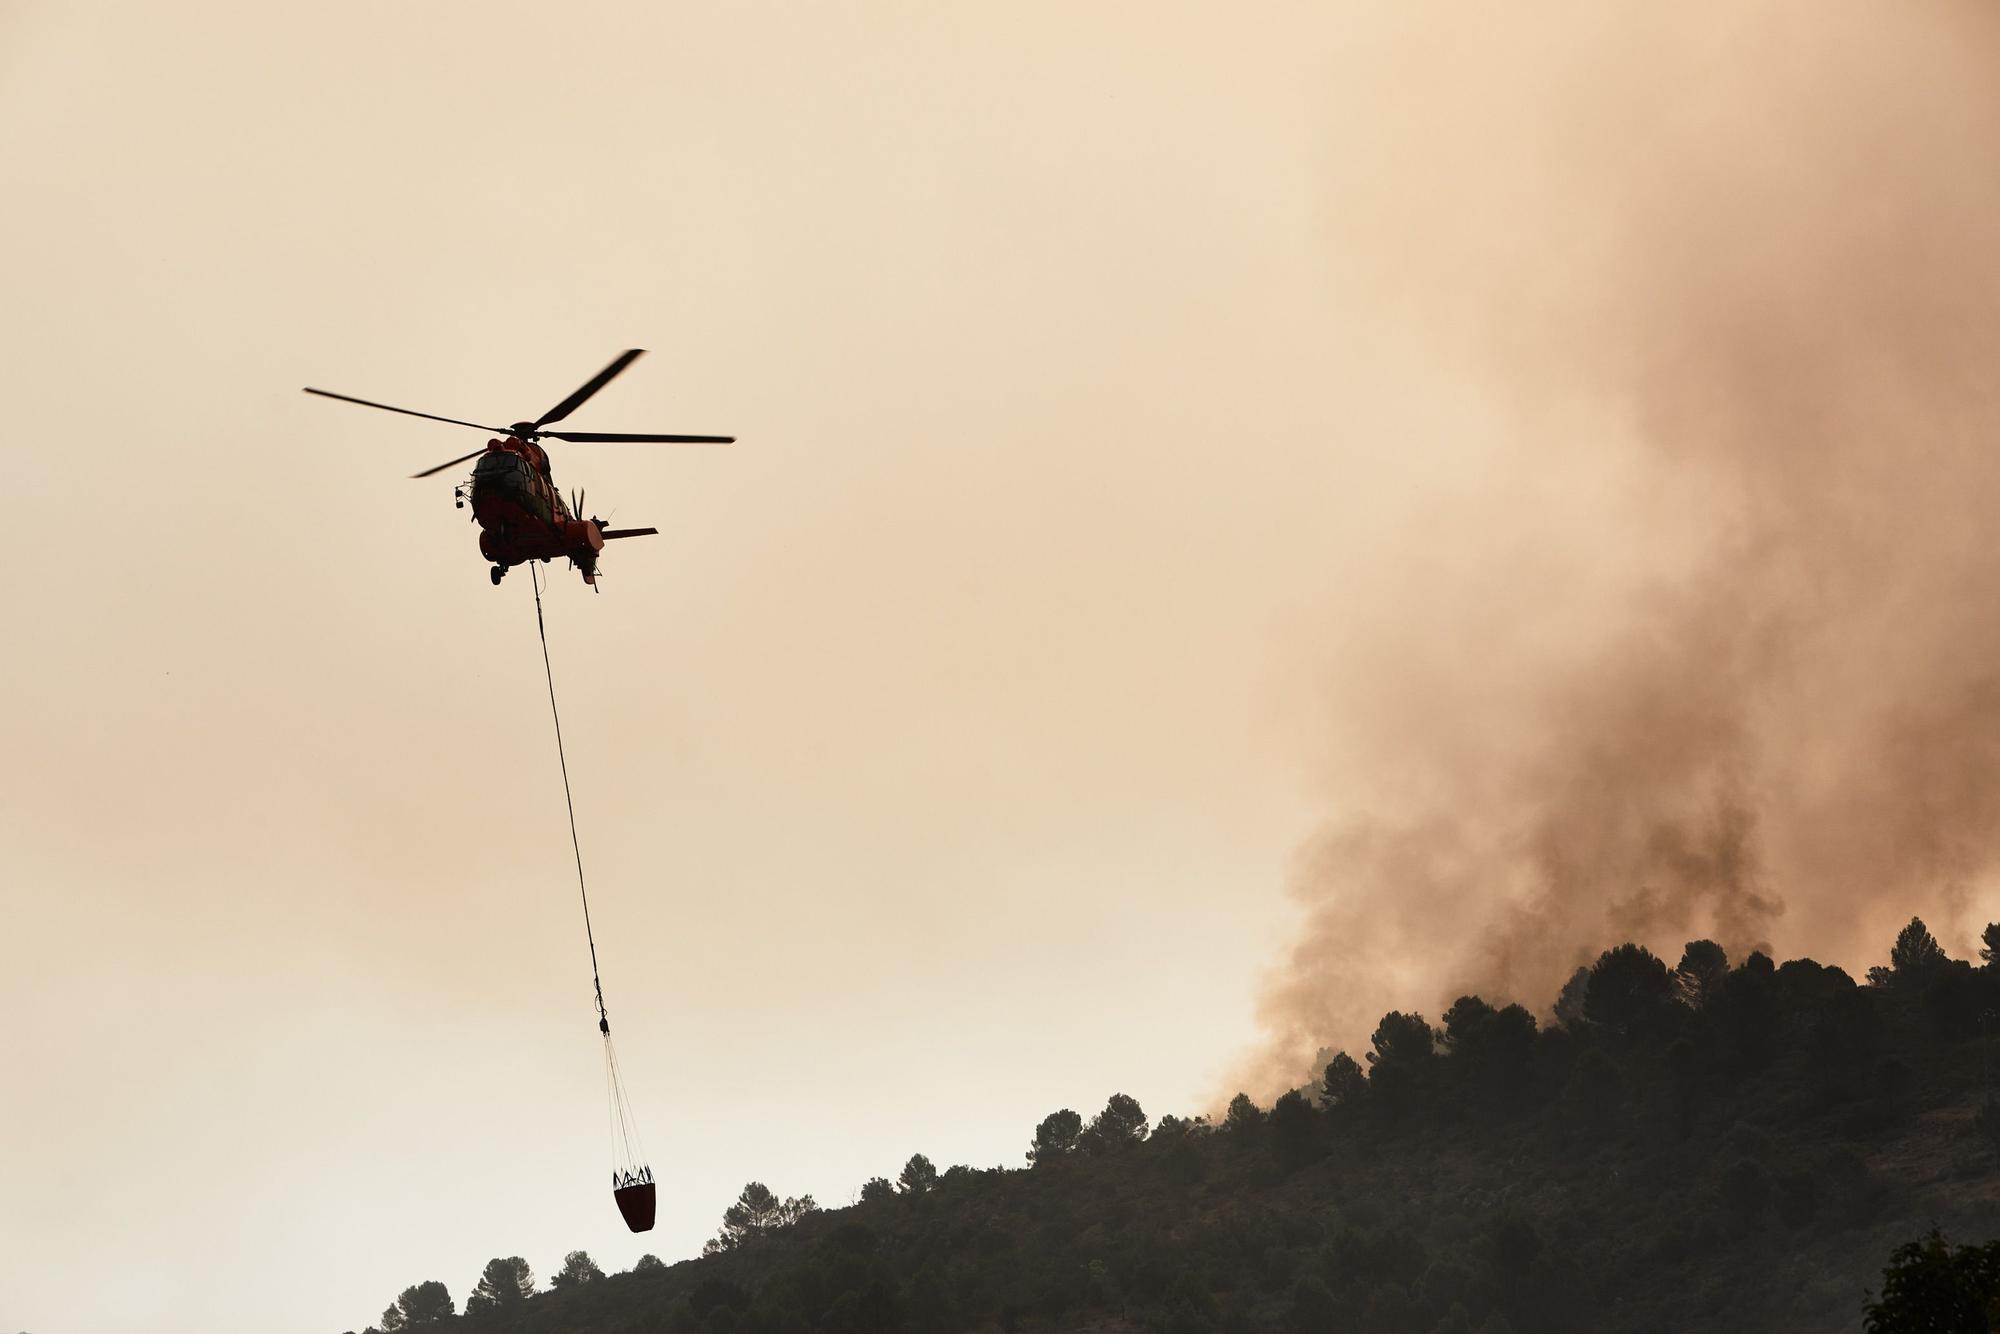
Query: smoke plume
point(1709, 645)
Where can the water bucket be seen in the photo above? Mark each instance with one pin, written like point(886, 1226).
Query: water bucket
point(636, 1203)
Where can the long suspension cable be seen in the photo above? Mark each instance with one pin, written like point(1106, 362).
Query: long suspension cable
point(597, 983)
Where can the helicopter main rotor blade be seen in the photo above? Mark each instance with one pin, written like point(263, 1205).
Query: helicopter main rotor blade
point(612, 534)
point(442, 466)
point(600, 437)
point(596, 382)
point(407, 412)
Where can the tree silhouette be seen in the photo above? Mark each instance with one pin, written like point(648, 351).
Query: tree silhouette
point(1399, 1066)
point(1120, 1125)
point(919, 1175)
point(1915, 957)
point(756, 1213)
point(1628, 987)
point(1244, 1115)
point(1916, 950)
point(1989, 944)
point(577, 1269)
point(1703, 966)
point(1467, 1015)
point(420, 1304)
point(1933, 1285)
point(1569, 1005)
point(648, 1263)
point(877, 1188)
point(502, 1283)
point(1492, 1051)
point(1055, 1136)
point(1401, 1041)
point(1342, 1084)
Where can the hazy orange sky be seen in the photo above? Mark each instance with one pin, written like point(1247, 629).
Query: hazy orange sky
point(1166, 435)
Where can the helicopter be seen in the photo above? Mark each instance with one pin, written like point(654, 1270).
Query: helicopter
point(521, 514)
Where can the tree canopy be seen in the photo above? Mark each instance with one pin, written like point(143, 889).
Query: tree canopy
point(577, 1268)
point(1244, 1116)
point(1342, 1082)
point(919, 1175)
point(1916, 950)
point(1055, 1137)
point(1628, 987)
point(420, 1304)
point(502, 1283)
point(1932, 1286)
point(1702, 967)
point(1120, 1125)
point(757, 1213)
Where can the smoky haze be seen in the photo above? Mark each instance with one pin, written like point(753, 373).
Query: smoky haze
point(1731, 277)
point(1539, 448)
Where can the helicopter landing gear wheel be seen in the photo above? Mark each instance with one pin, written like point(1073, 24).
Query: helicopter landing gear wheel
point(496, 574)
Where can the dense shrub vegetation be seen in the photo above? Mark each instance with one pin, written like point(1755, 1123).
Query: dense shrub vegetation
point(1696, 1146)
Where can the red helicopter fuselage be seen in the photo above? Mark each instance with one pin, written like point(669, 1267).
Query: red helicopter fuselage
point(522, 516)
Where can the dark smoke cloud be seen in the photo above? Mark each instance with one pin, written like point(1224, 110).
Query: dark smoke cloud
point(1750, 687)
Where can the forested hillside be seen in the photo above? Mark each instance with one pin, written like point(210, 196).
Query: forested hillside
point(1708, 1146)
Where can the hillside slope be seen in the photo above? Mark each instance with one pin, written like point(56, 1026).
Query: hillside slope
point(1702, 1148)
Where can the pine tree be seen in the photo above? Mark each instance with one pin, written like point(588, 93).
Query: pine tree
point(502, 1283)
point(919, 1175)
point(1055, 1137)
point(578, 1269)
